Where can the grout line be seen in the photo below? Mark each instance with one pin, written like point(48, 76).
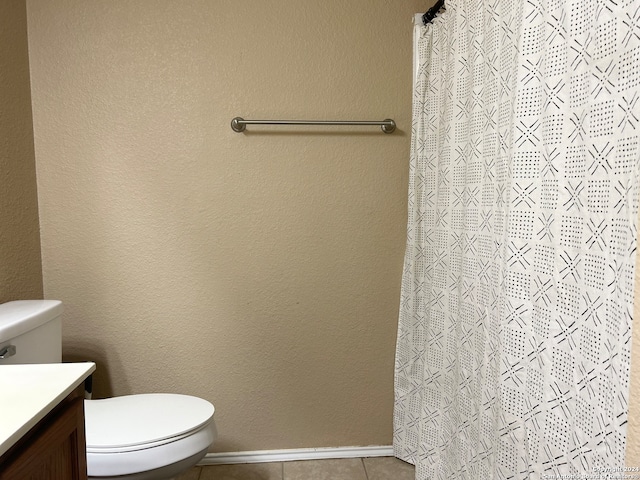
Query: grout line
point(366, 474)
point(282, 471)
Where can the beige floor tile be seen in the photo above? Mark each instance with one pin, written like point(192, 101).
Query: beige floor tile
point(388, 468)
point(250, 471)
point(191, 474)
point(342, 469)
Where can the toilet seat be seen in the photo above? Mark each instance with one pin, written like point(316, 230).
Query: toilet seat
point(137, 433)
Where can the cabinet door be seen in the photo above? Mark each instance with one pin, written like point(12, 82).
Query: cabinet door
point(53, 450)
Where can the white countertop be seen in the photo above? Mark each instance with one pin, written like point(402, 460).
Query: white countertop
point(29, 392)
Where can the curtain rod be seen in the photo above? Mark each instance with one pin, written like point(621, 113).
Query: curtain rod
point(239, 124)
point(432, 12)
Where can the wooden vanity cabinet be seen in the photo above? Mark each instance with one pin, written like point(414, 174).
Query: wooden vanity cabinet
point(54, 449)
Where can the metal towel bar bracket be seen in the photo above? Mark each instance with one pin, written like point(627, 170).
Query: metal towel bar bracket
point(239, 124)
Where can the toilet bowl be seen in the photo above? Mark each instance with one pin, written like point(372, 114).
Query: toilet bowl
point(147, 436)
point(152, 436)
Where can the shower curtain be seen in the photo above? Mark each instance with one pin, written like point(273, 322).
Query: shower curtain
point(513, 344)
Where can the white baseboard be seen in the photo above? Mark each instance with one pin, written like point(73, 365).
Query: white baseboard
point(262, 456)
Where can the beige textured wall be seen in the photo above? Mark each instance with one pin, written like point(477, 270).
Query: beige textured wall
point(260, 271)
point(20, 268)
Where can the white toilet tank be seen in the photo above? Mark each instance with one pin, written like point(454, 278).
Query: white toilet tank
point(30, 332)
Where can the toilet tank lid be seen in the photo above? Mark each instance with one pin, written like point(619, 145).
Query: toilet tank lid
point(21, 316)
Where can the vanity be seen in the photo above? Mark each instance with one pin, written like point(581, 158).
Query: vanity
point(42, 434)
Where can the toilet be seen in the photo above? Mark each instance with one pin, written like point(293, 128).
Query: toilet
point(154, 436)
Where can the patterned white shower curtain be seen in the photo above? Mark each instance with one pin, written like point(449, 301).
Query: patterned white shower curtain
point(515, 321)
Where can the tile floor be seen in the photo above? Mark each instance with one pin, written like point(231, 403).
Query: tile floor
point(376, 468)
